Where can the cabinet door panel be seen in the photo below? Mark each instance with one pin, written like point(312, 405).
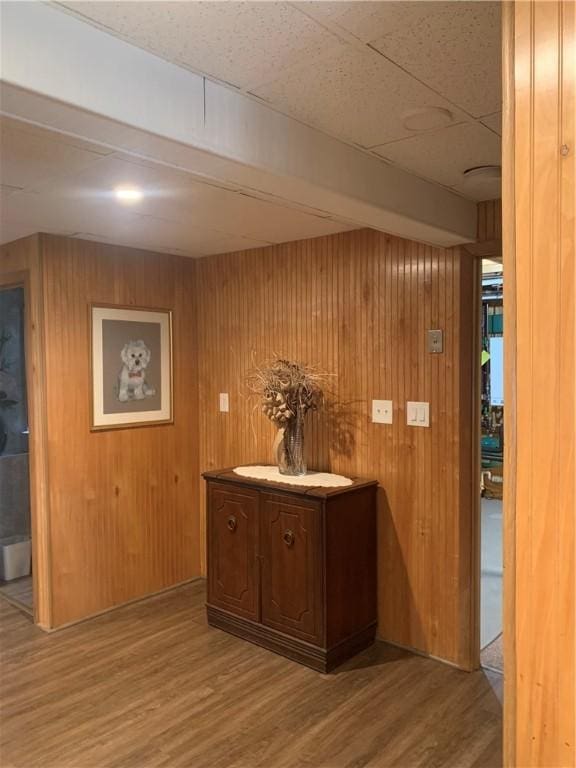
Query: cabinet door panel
point(233, 549)
point(290, 544)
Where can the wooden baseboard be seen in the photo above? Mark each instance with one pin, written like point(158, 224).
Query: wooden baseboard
point(317, 658)
point(120, 605)
point(424, 654)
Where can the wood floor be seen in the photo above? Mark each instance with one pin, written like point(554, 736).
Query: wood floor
point(152, 685)
point(19, 592)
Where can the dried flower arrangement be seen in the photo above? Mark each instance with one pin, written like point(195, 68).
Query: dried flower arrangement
point(288, 391)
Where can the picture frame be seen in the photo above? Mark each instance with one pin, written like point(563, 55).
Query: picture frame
point(131, 367)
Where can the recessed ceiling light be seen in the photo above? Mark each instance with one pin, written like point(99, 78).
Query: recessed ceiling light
point(426, 119)
point(128, 194)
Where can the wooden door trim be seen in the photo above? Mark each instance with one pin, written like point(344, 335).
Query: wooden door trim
point(509, 499)
point(476, 459)
point(37, 447)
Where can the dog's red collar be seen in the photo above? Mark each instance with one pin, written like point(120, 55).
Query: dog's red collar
point(135, 374)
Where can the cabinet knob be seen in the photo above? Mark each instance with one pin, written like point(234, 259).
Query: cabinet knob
point(232, 523)
point(288, 538)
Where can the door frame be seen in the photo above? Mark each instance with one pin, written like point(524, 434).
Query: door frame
point(37, 443)
point(478, 251)
point(509, 305)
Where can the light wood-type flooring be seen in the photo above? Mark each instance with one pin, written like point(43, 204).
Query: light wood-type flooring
point(151, 684)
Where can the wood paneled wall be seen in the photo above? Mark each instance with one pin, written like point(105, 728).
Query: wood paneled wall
point(489, 231)
point(123, 515)
point(489, 225)
point(20, 263)
point(540, 471)
point(358, 305)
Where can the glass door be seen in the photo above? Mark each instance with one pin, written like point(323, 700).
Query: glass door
point(15, 528)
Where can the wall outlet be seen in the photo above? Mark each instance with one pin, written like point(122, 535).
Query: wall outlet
point(224, 402)
point(382, 411)
point(417, 414)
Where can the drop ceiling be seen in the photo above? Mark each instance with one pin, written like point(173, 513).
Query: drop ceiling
point(355, 70)
point(54, 183)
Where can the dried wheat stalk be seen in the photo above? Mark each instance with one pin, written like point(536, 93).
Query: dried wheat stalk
point(287, 389)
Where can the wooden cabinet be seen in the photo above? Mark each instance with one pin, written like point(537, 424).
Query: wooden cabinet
point(293, 568)
point(233, 536)
point(291, 573)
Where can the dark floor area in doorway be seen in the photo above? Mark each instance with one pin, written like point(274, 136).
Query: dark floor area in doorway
point(19, 593)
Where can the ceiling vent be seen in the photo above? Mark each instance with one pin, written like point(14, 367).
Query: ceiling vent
point(483, 172)
point(484, 181)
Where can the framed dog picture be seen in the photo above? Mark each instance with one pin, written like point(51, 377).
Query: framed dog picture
point(131, 367)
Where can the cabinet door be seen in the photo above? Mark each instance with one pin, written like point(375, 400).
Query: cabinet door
point(290, 547)
point(233, 549)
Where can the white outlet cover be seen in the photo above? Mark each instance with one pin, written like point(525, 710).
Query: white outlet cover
point(224, 402)
point(382, 411)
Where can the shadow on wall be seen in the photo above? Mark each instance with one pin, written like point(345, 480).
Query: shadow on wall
point(342, 420)
point(331, 433)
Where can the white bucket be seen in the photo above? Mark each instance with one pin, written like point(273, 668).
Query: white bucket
point(15, 557)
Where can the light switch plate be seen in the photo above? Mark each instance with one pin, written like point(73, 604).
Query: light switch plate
point(435, 341)
point(224, 402)
point(382, 411)
point(417, 414)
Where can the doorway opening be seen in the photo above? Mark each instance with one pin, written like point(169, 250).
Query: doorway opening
point(492, 462)
point(15, 522)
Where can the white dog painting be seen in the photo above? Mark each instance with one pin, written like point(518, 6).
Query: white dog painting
point(132, 384)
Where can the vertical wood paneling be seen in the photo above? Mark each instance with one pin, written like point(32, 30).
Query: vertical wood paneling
point(20, 262)
point(489, 220)
point(540, 471)
point(358, 305)
point(123, 517)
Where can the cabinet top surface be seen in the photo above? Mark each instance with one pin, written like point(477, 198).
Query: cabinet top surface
point(229, 476)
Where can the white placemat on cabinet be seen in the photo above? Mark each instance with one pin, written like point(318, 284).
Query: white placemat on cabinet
point(317, 479)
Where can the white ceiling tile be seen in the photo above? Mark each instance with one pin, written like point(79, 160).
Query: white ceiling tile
point(163, 188)
point(6, 189)
point(10, 124)
point(11, 229)
point(367, 20)
point(444, 155)
point(31, 155)
point(454, 48)
point(494, 122)
point(152, 233)
point(356, 95)
point(177, 214)
point(173, 196)
point(104, 219)
point(240, 43)
point(307, 59)
point(245, 215)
